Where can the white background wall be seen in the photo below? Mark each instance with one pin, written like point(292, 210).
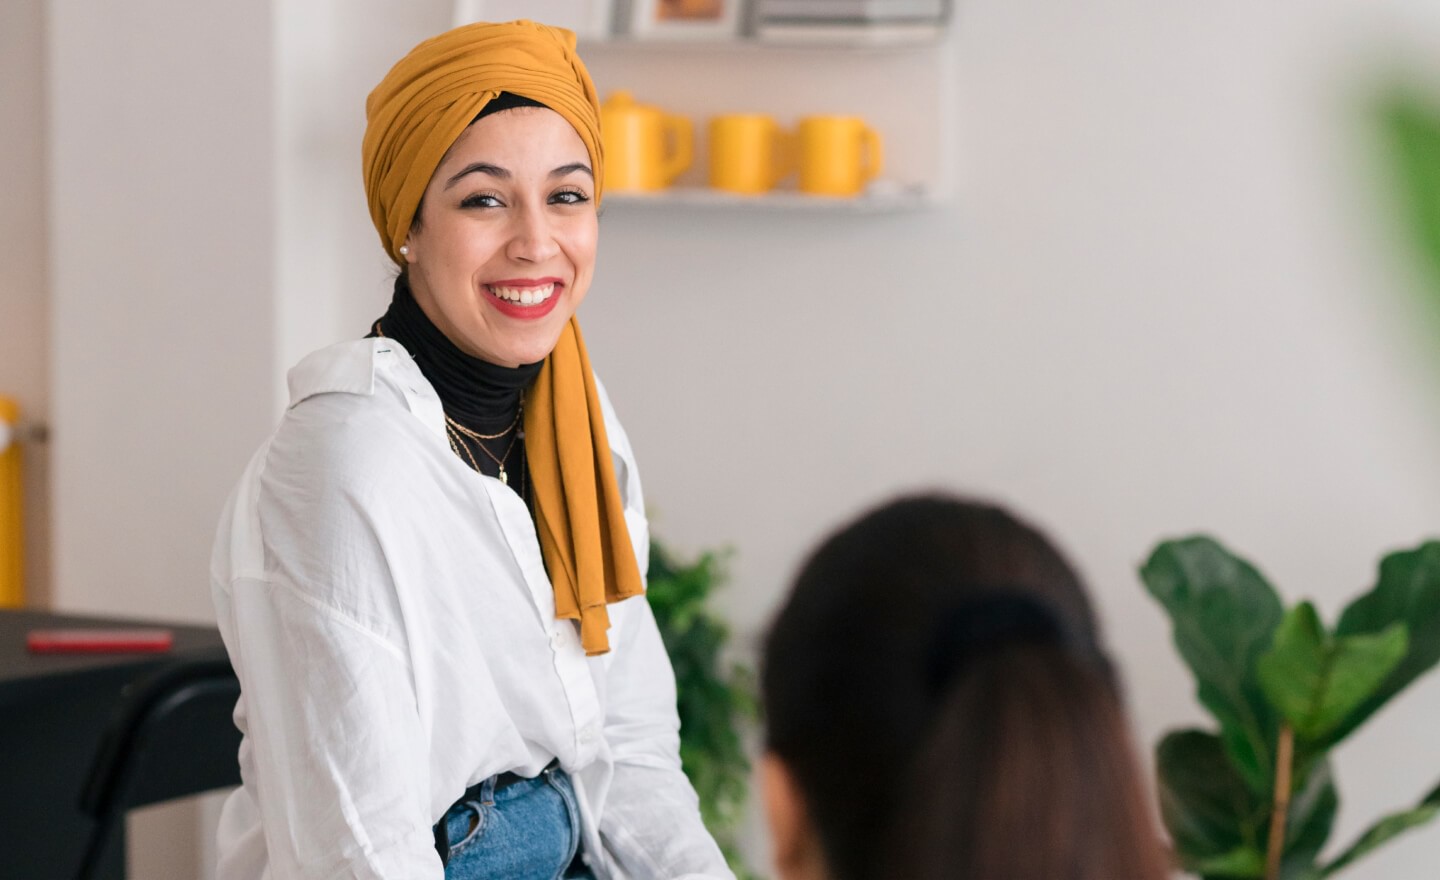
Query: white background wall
point(1163, 299)
point(24, 370)
point(162, 213)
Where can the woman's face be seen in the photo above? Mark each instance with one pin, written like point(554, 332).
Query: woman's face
point(504, 248)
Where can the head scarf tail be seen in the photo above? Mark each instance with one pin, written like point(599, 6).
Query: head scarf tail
point(578, 509)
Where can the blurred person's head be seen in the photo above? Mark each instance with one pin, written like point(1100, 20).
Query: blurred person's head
point(938, 705)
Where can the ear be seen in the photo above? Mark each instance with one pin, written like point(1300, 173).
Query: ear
point(796, 846)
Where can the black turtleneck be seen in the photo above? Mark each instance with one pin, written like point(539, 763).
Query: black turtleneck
point(476, 394)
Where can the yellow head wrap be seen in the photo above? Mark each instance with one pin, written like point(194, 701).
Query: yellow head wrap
point(433, 94)
point(424, 103)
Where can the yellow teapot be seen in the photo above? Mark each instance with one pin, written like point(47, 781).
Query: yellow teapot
point(645, 147)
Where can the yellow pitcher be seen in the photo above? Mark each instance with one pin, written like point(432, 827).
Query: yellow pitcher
point(645, 147)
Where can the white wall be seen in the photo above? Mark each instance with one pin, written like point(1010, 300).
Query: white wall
point(162, 249)
point(332, 278)
point(1162, 300)
point(24, 373)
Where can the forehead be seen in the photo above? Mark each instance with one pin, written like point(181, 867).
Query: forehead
point(517, 139)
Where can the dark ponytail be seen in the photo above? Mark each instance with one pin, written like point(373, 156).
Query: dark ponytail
point(1026, 774)
point(936, 687)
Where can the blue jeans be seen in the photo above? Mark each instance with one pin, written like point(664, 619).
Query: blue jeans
point(527, 830)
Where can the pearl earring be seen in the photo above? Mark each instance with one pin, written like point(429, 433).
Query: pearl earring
point(404, 250)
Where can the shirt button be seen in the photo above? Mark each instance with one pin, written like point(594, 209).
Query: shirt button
point(587, 734)
point(557, 639)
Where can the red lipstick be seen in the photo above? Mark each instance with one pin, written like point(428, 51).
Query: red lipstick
point(513, 309)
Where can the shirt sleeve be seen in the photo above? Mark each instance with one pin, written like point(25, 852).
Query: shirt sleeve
point(651, 824)
point(337, 755)
point(338, 771)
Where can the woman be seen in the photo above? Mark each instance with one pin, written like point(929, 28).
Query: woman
point(945, 656)
point(429, 578)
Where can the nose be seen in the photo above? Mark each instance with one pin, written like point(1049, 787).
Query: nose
point(532, 240)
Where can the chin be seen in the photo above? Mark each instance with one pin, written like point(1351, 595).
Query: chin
point(530, 354)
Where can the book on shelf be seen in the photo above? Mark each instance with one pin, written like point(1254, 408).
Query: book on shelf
point(849, 10)
point(870, 34)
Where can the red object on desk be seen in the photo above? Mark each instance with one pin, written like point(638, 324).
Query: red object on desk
point(99, 641)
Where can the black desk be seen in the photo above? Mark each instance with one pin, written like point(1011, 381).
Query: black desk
point(53, 710)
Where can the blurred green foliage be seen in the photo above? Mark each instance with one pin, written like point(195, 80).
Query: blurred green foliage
point(714, 698)
point(1410, 126)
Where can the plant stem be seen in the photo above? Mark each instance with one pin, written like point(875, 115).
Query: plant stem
point(1284, 757)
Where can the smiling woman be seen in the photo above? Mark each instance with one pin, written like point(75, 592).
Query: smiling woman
point(429, 579)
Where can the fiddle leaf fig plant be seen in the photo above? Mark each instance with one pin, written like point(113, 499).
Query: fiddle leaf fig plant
point(1256, 797)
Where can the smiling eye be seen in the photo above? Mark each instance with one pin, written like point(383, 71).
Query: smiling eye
point(569, 197)
point(481, 200)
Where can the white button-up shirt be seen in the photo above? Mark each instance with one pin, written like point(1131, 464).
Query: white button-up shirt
point(389, 616)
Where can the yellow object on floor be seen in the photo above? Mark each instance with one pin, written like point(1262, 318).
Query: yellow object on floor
point(12, 540)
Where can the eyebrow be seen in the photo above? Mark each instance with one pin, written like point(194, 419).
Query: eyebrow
point(571, 169)
point(504, 173)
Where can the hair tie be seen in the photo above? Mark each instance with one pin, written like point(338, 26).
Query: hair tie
point(989, 623)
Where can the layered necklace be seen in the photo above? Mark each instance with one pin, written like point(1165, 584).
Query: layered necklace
point(468, 388)
point(458, 433)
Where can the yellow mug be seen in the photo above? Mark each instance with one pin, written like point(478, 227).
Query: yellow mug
point(645, 147)
point(839, 155)
point(749, 153)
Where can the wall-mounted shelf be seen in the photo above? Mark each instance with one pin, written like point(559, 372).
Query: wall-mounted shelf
point(878, 200)
point(902, 89)
point(850, 39)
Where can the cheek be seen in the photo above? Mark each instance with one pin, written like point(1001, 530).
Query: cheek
point(457, 248)
point(583, 245)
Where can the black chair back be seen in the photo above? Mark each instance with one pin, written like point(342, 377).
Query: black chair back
point(172, 736)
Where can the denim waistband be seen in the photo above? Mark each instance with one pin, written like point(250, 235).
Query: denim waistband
point(482, 792)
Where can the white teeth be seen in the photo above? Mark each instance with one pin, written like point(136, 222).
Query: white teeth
point(526, 296)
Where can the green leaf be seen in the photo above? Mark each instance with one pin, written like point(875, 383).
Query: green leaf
point(1386, 829)
point(1317, 681)
point(1224, 615)
point(1242, 862)
point(1307, 828)
point(1215, 820)
point(1407, 592)
point(1219, 827)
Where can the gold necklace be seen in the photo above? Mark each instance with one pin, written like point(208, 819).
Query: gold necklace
point(454, 431)
point(457, 439)
point(460, 449)
point(478, 436)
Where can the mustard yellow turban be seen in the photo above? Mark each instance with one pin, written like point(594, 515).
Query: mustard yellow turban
point(424, 103)
point(432, 94)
